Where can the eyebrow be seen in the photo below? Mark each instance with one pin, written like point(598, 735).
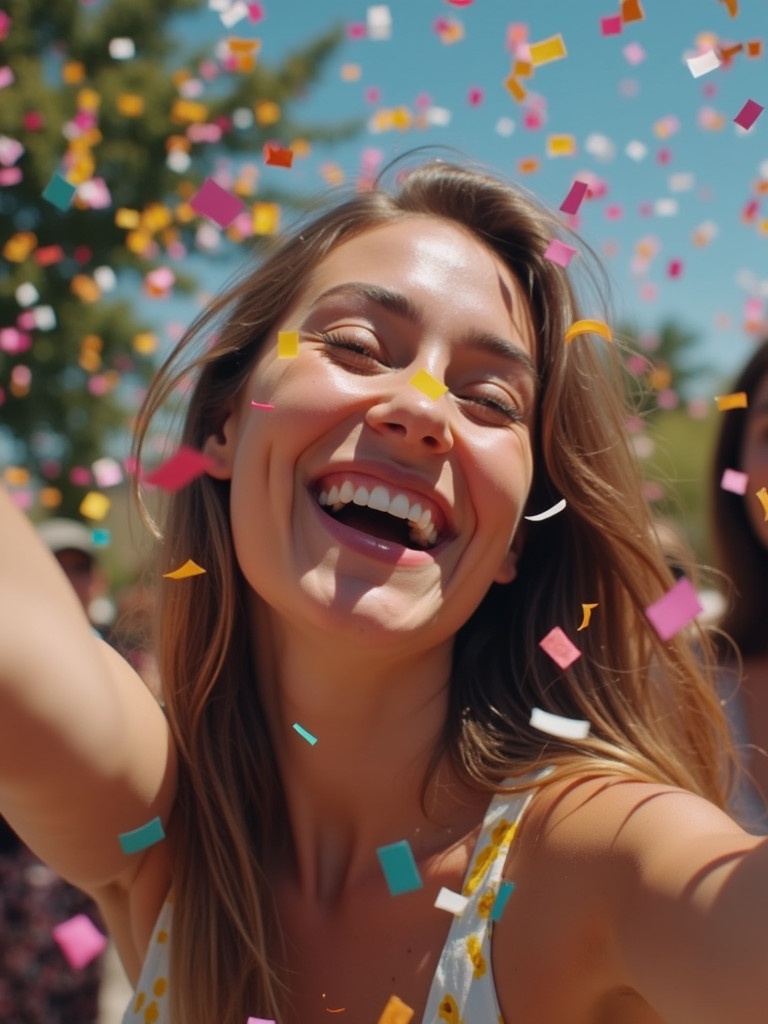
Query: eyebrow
point(401, 305)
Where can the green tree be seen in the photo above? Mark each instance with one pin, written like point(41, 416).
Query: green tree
point(662, 366)
point(137, 133)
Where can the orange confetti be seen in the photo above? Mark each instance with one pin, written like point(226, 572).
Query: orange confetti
point(277, 155)
point(587, 615)
point(588, 327)
point(738, 400)
point(732, 5)
point(189, 568)
point(631, 10)
point(396, 1012)
point(519, 92)
point(762, 497)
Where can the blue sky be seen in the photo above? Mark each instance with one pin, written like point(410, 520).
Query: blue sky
point(694, 183)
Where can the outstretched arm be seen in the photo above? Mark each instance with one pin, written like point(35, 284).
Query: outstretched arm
point(85, 752)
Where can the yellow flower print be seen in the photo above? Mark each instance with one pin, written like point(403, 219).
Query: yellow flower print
point(479, 868)
point(504, 833)
point(449, 1011)
point(485, 903)
point(474, 949)
point(152, 1013)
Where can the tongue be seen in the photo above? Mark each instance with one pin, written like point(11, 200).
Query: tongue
point(377, 524)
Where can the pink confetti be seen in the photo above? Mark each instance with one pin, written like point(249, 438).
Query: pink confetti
point(573, 200)
point(7, 77)
point(675, 609)
point(79, 940)
point(634, 54)
point(559, 648)
point(262, 405)
point(475, 96)
point(748, 114)
point(674, 268)
point(216, 203)
point(356, 30)
point(560, 253)
point(611, 25)
point(181, 469)
point(734, 481)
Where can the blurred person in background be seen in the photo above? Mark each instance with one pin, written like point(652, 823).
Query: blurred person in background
point(739, 529)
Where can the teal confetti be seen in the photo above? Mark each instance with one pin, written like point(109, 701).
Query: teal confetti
point(399, 867)
point(59, 192)
point(502, 896)
point(142, 838)
point(312, 740)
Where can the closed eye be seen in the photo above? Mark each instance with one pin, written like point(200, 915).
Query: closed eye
point(493, 409)
point(352, 350)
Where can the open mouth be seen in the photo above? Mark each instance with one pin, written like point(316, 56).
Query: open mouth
point(382, 512)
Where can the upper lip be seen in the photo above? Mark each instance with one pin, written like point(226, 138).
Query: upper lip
point(395, 479)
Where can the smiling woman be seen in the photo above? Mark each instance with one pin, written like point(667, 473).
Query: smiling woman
point(402, 771)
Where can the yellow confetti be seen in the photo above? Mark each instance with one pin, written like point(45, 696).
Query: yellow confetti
point(188, 110)
point(396, 1012)
point(287, 344)
point(94, 505)
point(547, 50)
point(762, 497)
point(587, 615)
point(266, 218)
point(127, 218)
point(130, 105)
point(16, 476)
point(561, 145)
point(72, 72)
point(518, 91)
point(588, 327)
point(738, 400)
point(429, 385)
point(189, 568)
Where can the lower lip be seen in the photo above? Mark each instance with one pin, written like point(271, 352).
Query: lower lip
point(374, 547)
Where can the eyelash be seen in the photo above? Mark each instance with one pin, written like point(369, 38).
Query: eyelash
point(355, 348)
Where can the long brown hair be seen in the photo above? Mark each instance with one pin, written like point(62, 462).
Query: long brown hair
point(739, 552)
point(652, 711)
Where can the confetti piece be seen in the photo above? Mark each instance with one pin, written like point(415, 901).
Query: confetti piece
point(586, 611)
point(395, 1012)
point(277, 156)
point(561, 145)
point(748, 114)
point(634, 54)
point(379, 22)
point(142, 838)
point(214, 202)
point(121, 48)
point(94, 506)
point(184, 466)
point(189, 568)
point(557, 507)
point(631, 11)
point(675, 609)
point(59, 192)
point(611, 25)
point(560, 253)
point(79, 940)
point(262, 405)
point(732, 6)
point(451, 901)
point(703, 63)
point(573, 200)
point(560, 649)
point(762, 497)
point(399, 867)
point(502, 898)
point(588, 327)
point(429, 385)
point(737, 400)
point(460, 3)
point(287, 344)
point(557, 725)
point(311, 740)
point(734, 481)
point(547, 50)
point(259, 1020)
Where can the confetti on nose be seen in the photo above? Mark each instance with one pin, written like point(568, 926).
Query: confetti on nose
point(737, 400)
point(547, 50)
point(395, 1012)
point(573, 200)
point(399, 867)
point(216, 203)
point(748, 114)
point(189, 568)
point(142, 838)
point(59, 192)
point(734, 481)
point(451, 901)
point(184, 466)
point(548, 513)
point(287, 344)
point(428, 385)
point(311, 740)
point(79, 940)
point(558, 725)
point(675, 609)
point(560, 649)
point(588, 327)
point(586, 612)
point(762, 497)
point(560, 253)
point(502, 898)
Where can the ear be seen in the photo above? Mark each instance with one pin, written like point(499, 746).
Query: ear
point(220, 449)
point(507, 571)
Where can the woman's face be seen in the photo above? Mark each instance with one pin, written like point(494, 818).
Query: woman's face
point(366, 500)
point(754, 458)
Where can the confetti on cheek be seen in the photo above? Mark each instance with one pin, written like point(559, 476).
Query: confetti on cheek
point(588, 327)
point(575, 197)
point(748, 114)
point(428, 385)
point(184, 466)
point(560, 649)
point(305, 734)
point(548, 50)
point(395, 1012)
point(502, 898)
point(189, 568)
point(762, 497)
point(79, 940)
point(558, 725)
point(266, 406)
point(675, 609)
point(734, 481)
point(287, 344)
point(560, 253)
point(399, 867)
point(586, 613)
point(142, 838)
point(548, 513)
point(451, 901)
point(737, 400)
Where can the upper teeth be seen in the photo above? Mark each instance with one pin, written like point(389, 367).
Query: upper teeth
point(382, 500)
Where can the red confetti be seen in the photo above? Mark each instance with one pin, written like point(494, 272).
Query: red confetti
point(277, 155)
point(181, 469)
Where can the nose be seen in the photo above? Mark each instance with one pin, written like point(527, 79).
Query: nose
point(408, 415)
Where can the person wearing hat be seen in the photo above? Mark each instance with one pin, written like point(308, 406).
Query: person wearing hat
point(72, 544)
